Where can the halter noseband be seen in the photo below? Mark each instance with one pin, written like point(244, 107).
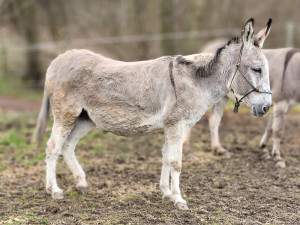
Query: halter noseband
point(238, 68)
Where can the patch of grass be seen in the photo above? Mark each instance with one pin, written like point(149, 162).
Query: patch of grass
point(97, 149)
point(36, 160)
point(36, 220)
point(4, 166)
point(13, 86)
point(37, 200)
point(133, 196)
point(13, 140)
point(72, 193)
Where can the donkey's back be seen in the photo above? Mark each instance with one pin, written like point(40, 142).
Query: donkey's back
point(126, 98)
point(284, 67)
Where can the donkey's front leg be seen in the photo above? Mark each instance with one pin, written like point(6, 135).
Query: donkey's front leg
point(164, 183)
point(174, 137)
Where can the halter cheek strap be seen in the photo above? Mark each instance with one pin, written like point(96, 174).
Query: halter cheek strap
point(237, 102)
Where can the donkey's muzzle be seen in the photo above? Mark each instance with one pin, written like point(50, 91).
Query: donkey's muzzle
point(260, 110)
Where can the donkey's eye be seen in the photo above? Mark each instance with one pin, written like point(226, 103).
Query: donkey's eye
point(256, 70)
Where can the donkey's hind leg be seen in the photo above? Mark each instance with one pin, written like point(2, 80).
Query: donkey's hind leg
point(81, 128)
point(55, 143)
point(265, 138)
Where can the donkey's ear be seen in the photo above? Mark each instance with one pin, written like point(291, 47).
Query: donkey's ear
point(248, 34)
point(261, 36)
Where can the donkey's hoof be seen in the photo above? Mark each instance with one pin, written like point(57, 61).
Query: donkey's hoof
point(266, 156)
point(82, 189)
point(181, 206)
point(280, 164)
point(222, 154)
point(58, 195)
point(226, 155)
point(220, 151)
point(167, 197)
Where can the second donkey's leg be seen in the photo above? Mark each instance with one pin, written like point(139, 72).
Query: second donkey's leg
point(280, 110)
point(214, 123)
point(186, 143)
point(265, 138)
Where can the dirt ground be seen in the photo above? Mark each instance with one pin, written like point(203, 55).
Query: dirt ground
point(123, 176)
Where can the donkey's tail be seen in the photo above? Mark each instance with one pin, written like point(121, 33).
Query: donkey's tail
point(42, 120)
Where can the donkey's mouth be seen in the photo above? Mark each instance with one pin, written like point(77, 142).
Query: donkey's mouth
point(253, 111)
point(259, 111)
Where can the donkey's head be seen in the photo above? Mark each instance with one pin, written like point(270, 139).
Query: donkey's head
point(249, 78)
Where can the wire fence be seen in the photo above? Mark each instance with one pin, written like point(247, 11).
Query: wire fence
point(9, 51)
point(129, 39)
point(46, 47)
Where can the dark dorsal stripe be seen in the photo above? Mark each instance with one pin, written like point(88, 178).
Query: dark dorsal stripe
point(172, 77)
point(287, 59)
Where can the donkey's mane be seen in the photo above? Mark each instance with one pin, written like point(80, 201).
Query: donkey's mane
point(207, 69)
point(210, 67)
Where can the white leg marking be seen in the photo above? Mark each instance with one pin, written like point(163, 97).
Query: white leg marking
point(174, 137)
point(53, 150)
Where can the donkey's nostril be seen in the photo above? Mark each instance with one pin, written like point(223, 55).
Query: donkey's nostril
point(265, 108)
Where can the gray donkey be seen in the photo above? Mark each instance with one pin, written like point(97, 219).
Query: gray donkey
point(87, 90)
point(284, 66)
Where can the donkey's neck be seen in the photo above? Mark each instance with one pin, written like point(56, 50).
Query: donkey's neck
point(214, 77)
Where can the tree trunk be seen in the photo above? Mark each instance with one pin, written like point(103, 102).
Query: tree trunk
point(166, 18)
point(28, 24)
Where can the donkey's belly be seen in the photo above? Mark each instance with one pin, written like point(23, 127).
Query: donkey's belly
point(130, 121)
